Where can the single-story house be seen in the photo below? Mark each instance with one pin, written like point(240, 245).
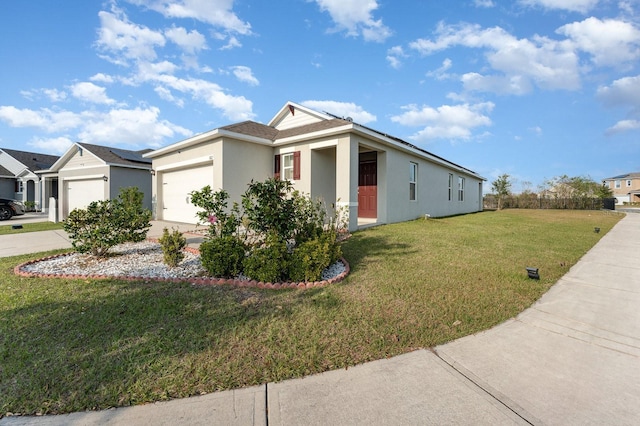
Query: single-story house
point(87, 173)
point(378, 178)
point(21, 178)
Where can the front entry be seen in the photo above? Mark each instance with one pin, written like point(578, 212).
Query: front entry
point(368, 185)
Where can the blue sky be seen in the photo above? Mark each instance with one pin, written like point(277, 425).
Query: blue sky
point(532, 88)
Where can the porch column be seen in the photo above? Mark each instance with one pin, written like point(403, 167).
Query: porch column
point(347, 179)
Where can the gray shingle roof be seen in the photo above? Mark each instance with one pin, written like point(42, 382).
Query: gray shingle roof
point(625, 176)
point(32, 160)
point(118, 156)
point(251, 128)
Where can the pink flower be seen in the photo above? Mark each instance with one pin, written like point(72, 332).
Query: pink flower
point(213, 219)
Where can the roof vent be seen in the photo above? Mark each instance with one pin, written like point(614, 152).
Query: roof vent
point(349, 119)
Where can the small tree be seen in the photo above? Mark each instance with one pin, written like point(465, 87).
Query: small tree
point(106, 223)
point(502, 188)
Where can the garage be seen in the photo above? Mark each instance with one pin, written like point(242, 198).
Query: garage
point(79, 193)
point(176, 186)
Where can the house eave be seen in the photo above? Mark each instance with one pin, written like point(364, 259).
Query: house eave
point(205, 137)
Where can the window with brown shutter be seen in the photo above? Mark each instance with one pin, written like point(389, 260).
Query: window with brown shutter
point(276, 167)
point(296, 165)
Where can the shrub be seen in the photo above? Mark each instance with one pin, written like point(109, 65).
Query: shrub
point(270, 209)
point(104, 224)
point(269, 262)
point(172, 245)
point(222, 257)
point(94, 229)
point(310, 258)
point(134, 219)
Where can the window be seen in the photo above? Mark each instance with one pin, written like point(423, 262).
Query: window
point(19, 186)
point(617, 184)
point(413, 181)
point(460, 189)
point(450, 186)
point(287, 166)
point(629, 183)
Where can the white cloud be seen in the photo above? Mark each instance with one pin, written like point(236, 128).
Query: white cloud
point(484, 3)
point(622, 92)
point(582, 6)
point(624, 126)
point(218, 13)
point(117, 36)
point(395, 56)
point(189, 41)
point(610, 42)
point(446, 121)
point(547, 63)
point(139, 126)
point(55, 95)
point(45, 119)
point(102, 78)
point(51, 145)
point(356, 18)
point(136, 126)
point(441, 73)
point(166, 94)
point(89, 92)
point(342, 109)
point(245, 75)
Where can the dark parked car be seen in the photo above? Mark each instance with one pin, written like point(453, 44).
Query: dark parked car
point(10, 208)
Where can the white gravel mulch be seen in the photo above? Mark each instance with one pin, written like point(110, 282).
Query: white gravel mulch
point(142, 259)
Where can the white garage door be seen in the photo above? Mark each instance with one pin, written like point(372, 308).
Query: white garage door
point(176, 186)
point(79, 193)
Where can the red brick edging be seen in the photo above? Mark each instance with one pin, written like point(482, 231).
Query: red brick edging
point(194, 280)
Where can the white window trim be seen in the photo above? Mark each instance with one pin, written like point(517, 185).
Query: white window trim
point(628, 183)
point(617, 184)
point(460, 188)
point(413, 167)
point(450, 186)
point(283, 169)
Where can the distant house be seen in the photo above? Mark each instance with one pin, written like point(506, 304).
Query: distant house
point(21, 177)
point(626, 188)
point(87, 173)
point(376, 177)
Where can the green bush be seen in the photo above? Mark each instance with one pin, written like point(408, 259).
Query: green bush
point(310, 258)
point(269, 262)
point(104, 224)
point(222, 257)
point(172, 245)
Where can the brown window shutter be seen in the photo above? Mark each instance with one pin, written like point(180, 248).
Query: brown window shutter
point(296, 165)
point(276, 166)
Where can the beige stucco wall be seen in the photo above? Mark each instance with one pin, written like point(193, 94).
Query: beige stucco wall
point(243, 162)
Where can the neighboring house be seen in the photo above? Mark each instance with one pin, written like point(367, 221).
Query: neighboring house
point(626, 188)
point(375, 177)
point(21, 177)
point(89, 173)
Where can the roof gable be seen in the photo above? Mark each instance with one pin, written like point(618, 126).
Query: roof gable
point(294, 115)
point(32, 160)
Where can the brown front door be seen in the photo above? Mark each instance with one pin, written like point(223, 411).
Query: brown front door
point(368, 189)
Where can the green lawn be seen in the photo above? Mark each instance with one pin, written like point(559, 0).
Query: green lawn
point(6, 227)
point(69, 345)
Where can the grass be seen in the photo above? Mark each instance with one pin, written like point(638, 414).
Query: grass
point(6, 228)
point(70, 345)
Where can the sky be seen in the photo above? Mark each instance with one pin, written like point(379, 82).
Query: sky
point(535, 89)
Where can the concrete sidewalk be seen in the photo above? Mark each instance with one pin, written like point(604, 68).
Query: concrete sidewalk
point(571, 359)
